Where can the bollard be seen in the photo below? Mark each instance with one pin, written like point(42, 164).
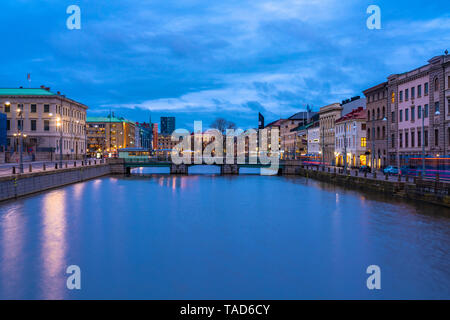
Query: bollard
point(66, 165)
point(74, 164)
point(43, 167)
point(365, 174)
point(56, 166)
point(13, 170)
point(374, 174)
point(95, 161)
point(82, 163)
point(356, 173)
point(30, 168)
point(407, 178)
point(89, 162)
point(386, 177)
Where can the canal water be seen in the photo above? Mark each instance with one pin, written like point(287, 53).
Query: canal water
point(221, 237)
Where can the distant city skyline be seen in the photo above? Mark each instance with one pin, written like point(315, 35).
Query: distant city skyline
point(231, 59)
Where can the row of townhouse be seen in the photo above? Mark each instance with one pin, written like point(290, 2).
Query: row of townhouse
point(408, 115)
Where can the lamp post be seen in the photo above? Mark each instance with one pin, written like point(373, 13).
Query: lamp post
point(20, 134)
point(59, 124)
point(385, 120)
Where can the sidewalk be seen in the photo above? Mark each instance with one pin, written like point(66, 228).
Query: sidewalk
point(6, 169)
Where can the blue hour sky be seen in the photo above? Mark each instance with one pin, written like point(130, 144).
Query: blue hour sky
point(198, 60)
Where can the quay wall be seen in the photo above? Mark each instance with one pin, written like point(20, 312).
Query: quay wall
point(436, 192)
point(18, 185)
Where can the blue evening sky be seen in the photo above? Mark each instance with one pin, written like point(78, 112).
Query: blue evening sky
point(197, 60)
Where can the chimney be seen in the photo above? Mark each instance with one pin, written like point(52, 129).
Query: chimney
point(58, 93)
point(42, 86)
point(47, 88)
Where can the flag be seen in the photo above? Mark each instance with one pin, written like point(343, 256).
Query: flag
point(260, 121)
point(29, 77)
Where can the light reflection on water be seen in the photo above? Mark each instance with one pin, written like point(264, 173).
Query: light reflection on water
point(231, 237)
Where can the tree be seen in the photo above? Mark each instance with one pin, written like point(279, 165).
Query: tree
point(222, 124)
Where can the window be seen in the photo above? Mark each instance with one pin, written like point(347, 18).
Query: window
point(406, 114)
point(33, 125)
point(46, 125)
point(419, 91)
point(384, 112)
point(406, 139)
point(406, 94)
point(436, 84)
point(384, 132)
point(7, 109)
point(426, 137)
point(436, 106)
point(419, 139)
point(393, 140)
point(436, 137)
point(413, 92)
point(33, 108)
point(400, 139)
point(401, 96)
point(448, 84)
point(363, 126)
point(426, 111)
point(412, 139)
point(393, 116)
point(401, 115)
point(46, 108)
point(378, 113)
point(419, 112)
point(8, 124)
point(20, 124)
point(363, 142)
point(426, 89)
point(378, 132)
point(413, 113)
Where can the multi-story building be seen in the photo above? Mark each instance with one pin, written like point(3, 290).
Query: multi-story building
point(378, 128)
point(313, 135)
point(3, 135)
point(419, 112)
point(105, 135)
point(351, 141)
point(167, 125)
point(328, 116)
point(154, 136)
point(43, 118)
point(289, 133)
point(144, 132)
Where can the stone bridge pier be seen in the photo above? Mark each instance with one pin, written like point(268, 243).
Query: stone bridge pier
point(228, 169)
point(178, 169)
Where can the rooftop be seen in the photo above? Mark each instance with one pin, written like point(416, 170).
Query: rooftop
point(356, 114)
point(25, 92)
point(107, 119)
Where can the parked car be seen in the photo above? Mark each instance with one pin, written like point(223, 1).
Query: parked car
point(364, 169)
point(391, 170)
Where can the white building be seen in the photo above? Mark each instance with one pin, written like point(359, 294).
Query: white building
point(314, 140)
point(350, 133)
point(42, 118)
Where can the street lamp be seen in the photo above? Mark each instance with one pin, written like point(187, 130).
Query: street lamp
point(58, 124)
point(385, 120)
point(21, 136)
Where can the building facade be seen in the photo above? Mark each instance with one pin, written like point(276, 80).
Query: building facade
point(105, 135)
point(313, 135)
point(328, 116)
point(351, 139)
point(144, 131)
point(167, 125)
point(378, 127)
point(420, 115)
point(43, 117)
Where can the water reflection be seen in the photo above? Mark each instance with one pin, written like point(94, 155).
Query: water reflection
point(12, 239)
point(214, 237)
point(53, 244)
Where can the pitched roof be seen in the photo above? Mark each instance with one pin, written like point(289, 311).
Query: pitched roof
point(356, 114)
point(275, 123)
point(25, 92)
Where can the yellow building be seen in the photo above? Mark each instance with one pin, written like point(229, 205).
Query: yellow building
point(105, 135)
